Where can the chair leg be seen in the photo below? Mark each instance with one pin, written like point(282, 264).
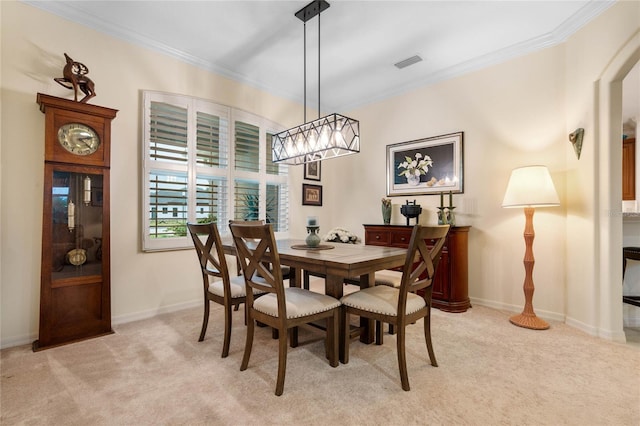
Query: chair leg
point(379, 332)
point(282, 361)
point(346, 335)
point(402, 358)
point(294, 337)
point(248, 344)
point(333, 337)
point(205, 320)
point(427, 337)
point(227, 330)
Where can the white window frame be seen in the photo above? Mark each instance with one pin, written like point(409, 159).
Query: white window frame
point(192, 170)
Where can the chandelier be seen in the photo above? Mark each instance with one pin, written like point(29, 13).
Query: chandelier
point(327, 137)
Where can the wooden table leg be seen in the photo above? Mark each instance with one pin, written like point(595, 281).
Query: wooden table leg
point(333, 286)
point(367, 325)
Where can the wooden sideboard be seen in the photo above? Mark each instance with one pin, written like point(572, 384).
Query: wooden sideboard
point(451, 286)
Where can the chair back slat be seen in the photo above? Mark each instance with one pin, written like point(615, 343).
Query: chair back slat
point(421, 261)
point(210, 252)
point(256, 250)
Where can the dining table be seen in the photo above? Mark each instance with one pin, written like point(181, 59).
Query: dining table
point(337, 262)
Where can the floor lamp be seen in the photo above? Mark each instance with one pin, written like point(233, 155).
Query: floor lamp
point(530, 187)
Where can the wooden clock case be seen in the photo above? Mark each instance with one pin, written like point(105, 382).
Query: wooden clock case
point(75, 299)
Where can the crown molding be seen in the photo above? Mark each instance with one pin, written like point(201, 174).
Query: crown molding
point(67, 11)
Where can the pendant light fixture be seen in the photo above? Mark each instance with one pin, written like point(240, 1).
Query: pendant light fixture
point(333, 135)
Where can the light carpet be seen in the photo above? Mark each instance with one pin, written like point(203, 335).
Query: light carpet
point(155, 372)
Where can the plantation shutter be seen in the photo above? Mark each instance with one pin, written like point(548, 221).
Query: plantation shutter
point(272, 168)
point(167, 204)
point(247, 147)
point(211, 140)
point(167, 133)
point(200, 164)
point(246, 200)
point(277, 206)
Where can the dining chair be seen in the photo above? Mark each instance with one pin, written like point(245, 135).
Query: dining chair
point(282, 308)
point(402, 305)
point(218, 286)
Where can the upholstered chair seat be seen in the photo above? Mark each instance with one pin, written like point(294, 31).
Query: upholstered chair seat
point(388, 277)
point(382, 300)
point(299, 303)
point(236, 285)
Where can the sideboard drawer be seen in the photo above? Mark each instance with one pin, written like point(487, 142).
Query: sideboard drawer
point(377, 237)
point(401, 238)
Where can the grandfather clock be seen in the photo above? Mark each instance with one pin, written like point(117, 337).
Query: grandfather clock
point(75, 291)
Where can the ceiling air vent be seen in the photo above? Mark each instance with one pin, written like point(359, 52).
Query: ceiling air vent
point(409, 61)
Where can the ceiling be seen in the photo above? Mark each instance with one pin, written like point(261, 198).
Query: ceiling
point(261, 42)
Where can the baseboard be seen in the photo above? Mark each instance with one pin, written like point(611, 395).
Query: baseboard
point(616, 336)
point(546, 315)
point(551, 316)
point(117, 320)
point(150, 313)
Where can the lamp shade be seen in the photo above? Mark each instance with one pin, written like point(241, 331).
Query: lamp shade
point(530, 186)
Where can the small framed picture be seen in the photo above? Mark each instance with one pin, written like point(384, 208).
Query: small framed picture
point(312, 170)
point(311, 195)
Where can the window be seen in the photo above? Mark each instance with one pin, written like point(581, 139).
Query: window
point(207, 162)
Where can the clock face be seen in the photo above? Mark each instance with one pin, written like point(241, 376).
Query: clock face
point(78, 138)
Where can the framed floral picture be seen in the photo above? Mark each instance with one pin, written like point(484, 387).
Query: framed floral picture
point(311, 195)
point(312, 170)
point(425, 166)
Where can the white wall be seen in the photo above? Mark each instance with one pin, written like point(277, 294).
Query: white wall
point(513, 114)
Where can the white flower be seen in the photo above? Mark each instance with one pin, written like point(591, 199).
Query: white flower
point(415, 167)
point(340, 235)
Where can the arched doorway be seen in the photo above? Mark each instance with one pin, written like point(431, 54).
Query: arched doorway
point(609, 125)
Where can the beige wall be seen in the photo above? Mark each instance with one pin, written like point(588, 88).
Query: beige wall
point(594, 189)
point(513, 114)
point(33, 43)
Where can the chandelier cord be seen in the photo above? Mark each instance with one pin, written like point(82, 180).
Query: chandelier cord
point(305, 71)
point(319, 14)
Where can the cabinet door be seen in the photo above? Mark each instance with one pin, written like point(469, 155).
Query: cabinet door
point(75, 288)
point(441, 281)
point(629, 169)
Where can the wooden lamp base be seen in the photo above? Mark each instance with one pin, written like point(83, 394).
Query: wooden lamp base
point(529, 321)
point(528, 318)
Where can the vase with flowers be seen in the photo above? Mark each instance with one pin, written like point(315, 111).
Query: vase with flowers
point(415, 167)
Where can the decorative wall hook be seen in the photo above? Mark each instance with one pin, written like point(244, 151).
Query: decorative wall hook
point(576, 140)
